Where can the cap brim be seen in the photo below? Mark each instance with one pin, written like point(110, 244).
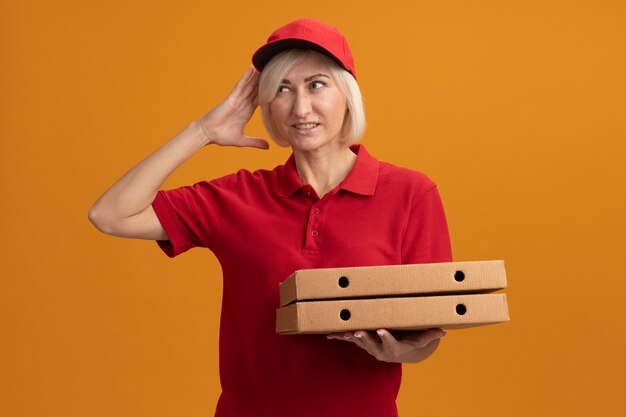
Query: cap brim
point(264, 54)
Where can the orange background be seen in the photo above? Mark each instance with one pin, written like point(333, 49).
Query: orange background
point(517, 109)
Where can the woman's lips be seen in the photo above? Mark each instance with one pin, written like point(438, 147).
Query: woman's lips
point(305, 128)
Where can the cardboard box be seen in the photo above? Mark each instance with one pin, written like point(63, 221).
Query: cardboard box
point(392, 280)
point(398, 313)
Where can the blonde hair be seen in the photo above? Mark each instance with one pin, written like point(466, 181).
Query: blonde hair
point(277, 69)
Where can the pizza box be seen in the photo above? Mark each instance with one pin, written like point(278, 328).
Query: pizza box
point(393, 313)
point(393, 280)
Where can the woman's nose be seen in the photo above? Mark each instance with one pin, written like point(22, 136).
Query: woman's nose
point(302, 105)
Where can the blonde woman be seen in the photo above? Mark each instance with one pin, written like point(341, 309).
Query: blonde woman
point(331, 204)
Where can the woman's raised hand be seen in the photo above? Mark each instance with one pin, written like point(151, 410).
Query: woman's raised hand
point(224, 125)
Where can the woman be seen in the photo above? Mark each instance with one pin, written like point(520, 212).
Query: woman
point(331, 204)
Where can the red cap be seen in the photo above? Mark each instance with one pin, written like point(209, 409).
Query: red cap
point(306, 34)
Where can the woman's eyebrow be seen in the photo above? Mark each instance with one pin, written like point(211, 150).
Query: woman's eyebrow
point(307, 79)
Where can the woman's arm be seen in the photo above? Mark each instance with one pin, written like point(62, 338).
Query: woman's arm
point(125, 209)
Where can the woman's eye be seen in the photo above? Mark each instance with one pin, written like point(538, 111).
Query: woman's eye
point(317, 84)
point(283, 88)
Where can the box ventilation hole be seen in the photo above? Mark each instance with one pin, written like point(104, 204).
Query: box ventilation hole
point(345, 314)
point(461, 309)
point(344, 282)
point(459, 276)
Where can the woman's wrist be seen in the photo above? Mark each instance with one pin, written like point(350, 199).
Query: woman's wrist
point(199, 131)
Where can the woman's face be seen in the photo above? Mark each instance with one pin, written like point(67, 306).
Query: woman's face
point(309, 108)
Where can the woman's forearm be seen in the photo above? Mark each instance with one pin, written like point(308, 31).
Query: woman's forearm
point(134, 191)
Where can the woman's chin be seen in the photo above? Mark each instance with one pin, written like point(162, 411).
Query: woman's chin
point(312, 144)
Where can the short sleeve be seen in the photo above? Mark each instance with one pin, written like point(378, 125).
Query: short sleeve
point(426, 239)
point(191, 214)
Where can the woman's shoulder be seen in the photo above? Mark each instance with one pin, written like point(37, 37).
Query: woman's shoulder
point(259, 175)
point(394, 174)
point(244, 181)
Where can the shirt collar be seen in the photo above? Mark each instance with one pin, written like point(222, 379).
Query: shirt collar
point(362, 178)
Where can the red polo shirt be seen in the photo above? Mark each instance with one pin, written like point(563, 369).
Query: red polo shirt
point(264, 225)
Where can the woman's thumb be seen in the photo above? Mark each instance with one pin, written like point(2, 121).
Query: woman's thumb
point(254, 142)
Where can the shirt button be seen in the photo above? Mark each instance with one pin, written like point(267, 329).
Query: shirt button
point(314, 233)
point(308, 194)
point(316, 210)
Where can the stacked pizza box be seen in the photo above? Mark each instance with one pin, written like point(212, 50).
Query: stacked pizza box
point(450, 295)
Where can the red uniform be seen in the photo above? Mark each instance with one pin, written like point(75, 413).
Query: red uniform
point(264, 225)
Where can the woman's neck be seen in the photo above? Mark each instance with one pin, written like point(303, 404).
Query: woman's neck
point(324, 170)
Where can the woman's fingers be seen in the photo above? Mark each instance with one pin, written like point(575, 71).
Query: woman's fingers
point(246, 86)
point(244, 96)
point(252, 85)
point(367, 341)
point(243, 80)
point(254, 142)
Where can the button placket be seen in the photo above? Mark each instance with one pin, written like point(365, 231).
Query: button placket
point(312, 240)
point(314, 220)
